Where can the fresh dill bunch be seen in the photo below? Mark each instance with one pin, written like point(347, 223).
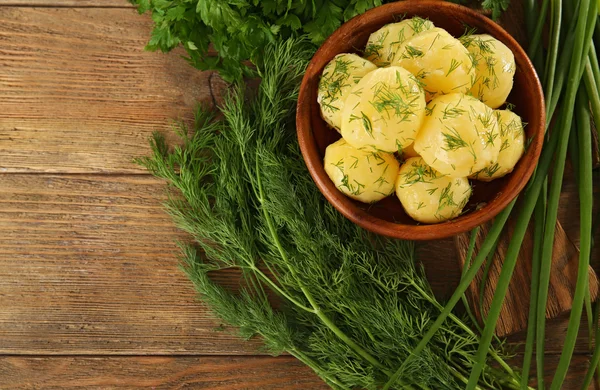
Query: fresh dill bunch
point(352, 305)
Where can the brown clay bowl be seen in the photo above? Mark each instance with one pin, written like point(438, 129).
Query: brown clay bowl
point(387, 217)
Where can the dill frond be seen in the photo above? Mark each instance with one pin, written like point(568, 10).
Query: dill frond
point(353, 305)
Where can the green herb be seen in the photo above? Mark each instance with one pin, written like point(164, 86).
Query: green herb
point(332, 83)
point(373, 49)
point(366, 122)
point(453, 66)
point(353, 304)
point(412, 52)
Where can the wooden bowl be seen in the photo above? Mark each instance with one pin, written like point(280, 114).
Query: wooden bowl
point(387, 217)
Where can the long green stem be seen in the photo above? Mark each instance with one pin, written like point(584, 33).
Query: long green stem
point(591, 86)
point(530, 199)
point(538, 234)
point(484, 276)
point(556, 21)
point(594, 361)
point(486, 246)
point(531, 11)
point(586, 194)
point(315, 307)
point(564, 128)
point(534, 42)
point(466, 267)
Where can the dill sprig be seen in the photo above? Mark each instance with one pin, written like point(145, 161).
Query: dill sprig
point(353, 305)
point(332, 83)
point(397, 99)
point(412, 52)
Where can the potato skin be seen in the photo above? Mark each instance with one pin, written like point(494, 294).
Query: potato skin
point(338, 78)
point(384, 111)
point(361, 174)
point(512, 147)
point(459, 136)
point(495, 68)
point(439, 61)
point(428, 196)
point(384, 43)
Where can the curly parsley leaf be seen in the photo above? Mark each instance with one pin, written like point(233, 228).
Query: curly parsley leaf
point(225, 35)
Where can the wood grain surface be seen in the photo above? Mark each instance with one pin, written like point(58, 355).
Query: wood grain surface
point(157, 372)
point(67, 3)
point(90, 292)
point(79, 94)
point(176, 372)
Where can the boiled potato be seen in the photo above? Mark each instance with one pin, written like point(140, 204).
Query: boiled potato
point(460, 135)
point(427, 195)
point(439, 61)
point(384, 110)
point(384, 43)
point(512, 147)
point(339, 76)
point(361, 174)
point(495, 68)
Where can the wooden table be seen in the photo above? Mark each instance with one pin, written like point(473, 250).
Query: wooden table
point(90, 292)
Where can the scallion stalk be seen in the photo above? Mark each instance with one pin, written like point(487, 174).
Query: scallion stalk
point(563, 129)
point(529, 201)
point(538, 235)
point(586, 203)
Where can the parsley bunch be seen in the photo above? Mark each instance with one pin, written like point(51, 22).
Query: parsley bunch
point(239, 30)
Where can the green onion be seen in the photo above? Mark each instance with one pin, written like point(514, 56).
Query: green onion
point(534, 42)
point(538, 235)
point(484, 277)
point(584, 35)
point(586, 202)
point(466, 267)
point(530, 200)
point(563, 129)
point(555, 26)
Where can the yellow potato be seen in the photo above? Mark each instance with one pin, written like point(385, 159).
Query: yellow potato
point(427, 195)
point(439, 61)
point(384, 110)
point(384, 43)
point(512, 147)
point(339, 76)
point(460, 135)
point(363, 175)
point(495, 68)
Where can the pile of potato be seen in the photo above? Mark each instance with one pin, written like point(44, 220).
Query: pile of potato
point(417, 116)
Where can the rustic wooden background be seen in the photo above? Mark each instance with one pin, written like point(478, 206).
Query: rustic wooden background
point(90, 293)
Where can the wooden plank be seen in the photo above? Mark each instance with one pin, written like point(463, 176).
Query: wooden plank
point(68, 372)
point(88, 266)
point(224, 373)
point(67, 3)
point(79, 94)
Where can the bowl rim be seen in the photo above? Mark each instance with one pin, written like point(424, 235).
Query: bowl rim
point(345, 205)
